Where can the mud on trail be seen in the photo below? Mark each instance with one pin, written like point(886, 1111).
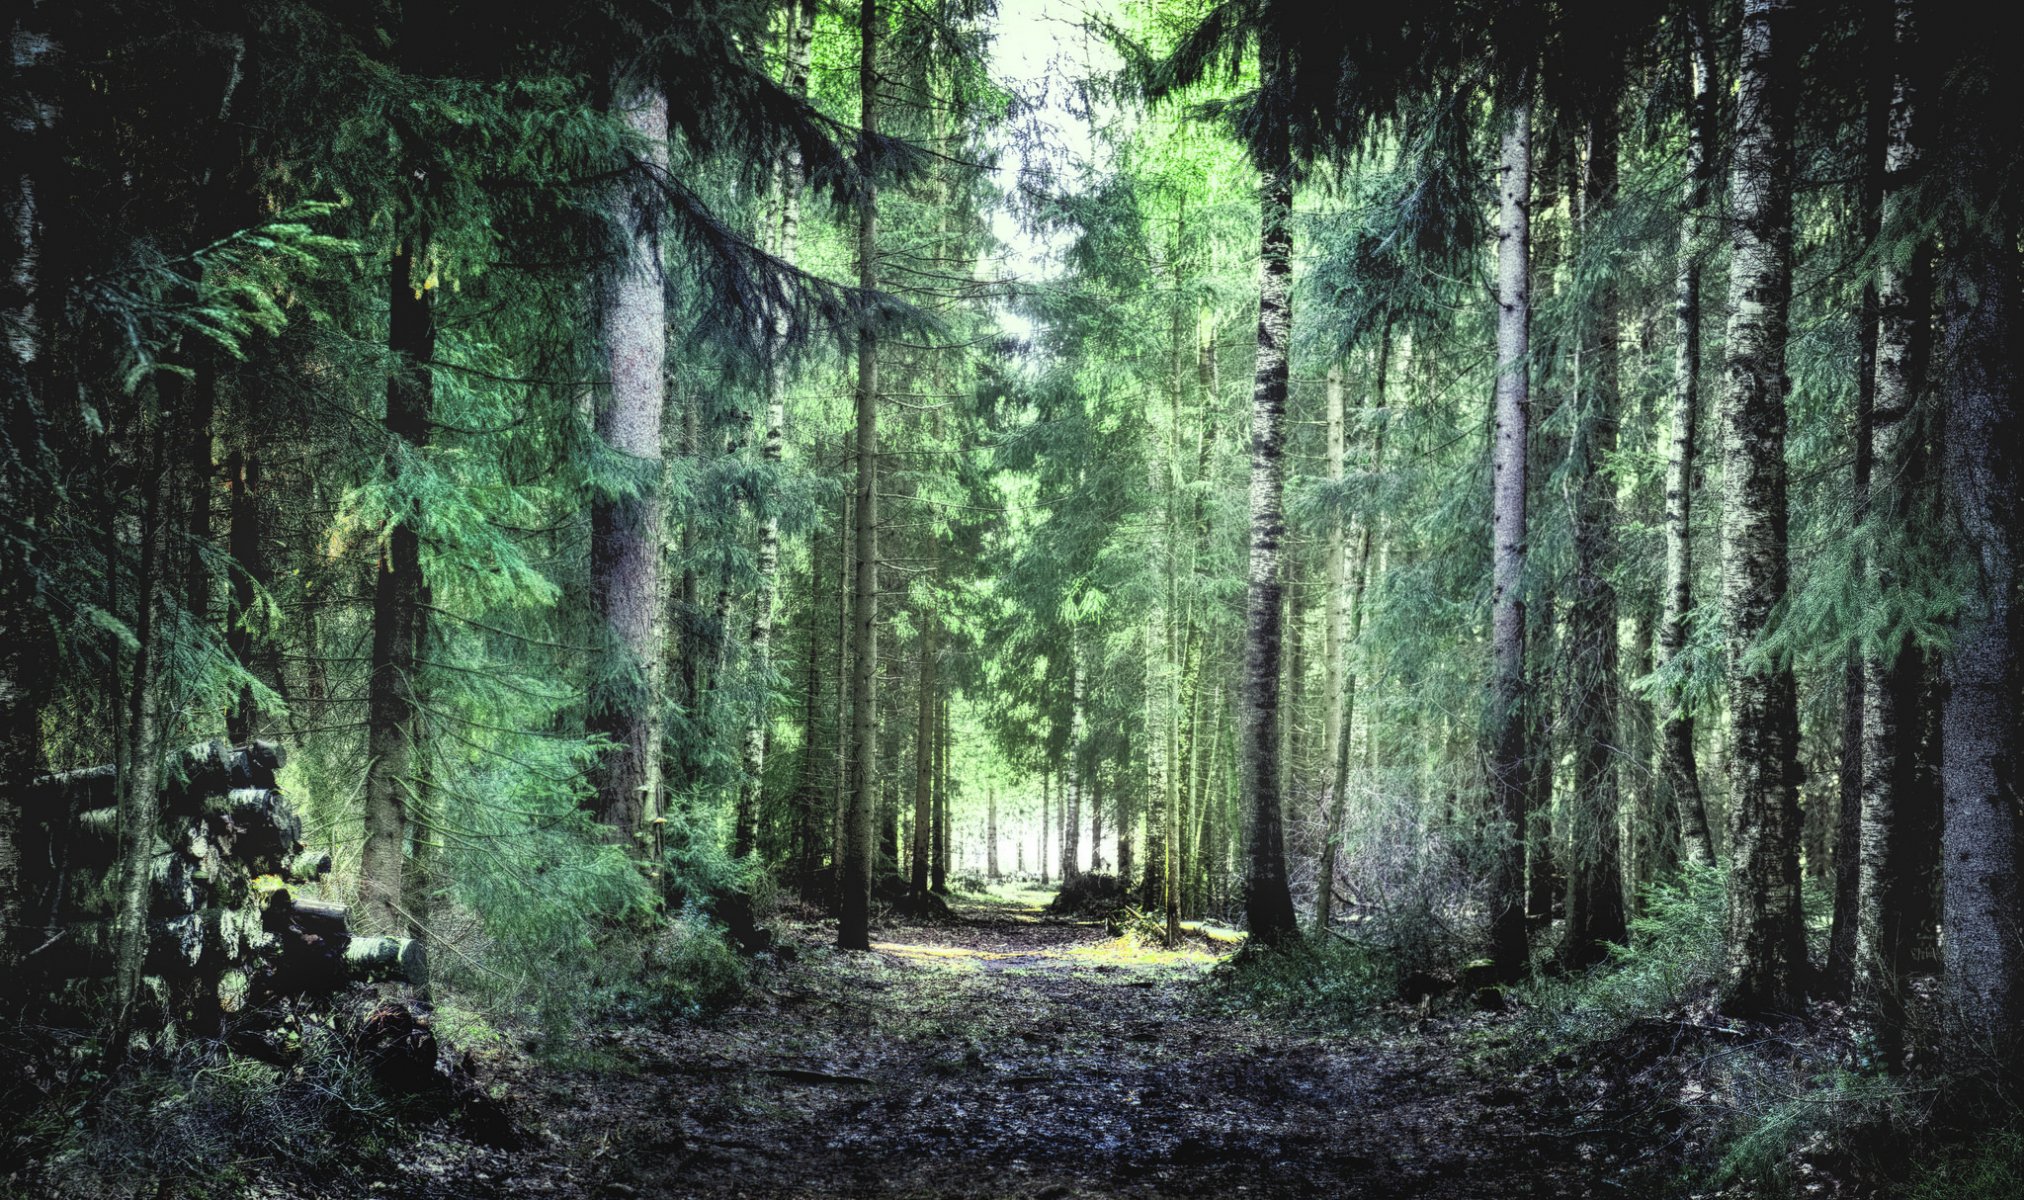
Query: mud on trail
point(1013, 1054)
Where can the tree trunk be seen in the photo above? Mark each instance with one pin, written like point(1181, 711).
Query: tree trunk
point(943, 834)
point(1157, 879)
point(839, 781)
point(625, 520)
point(1767, 944)
point(1071, 774)
point(991, 835)
point(1894, 873)
point(760, 636)
point(1985, 665)
point(1268, 902)
point(924, 755)
point(808, 813)
point(854, 927)
point(1841, 939)
point(1352, 604)
point(1677, 768)
point(1044, 819)
point(1509, 950)
point(1096, 816)
point(138, 772)
point(392, 742)
point(1595, 902)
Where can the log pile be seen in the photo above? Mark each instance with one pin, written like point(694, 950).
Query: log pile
point(237, 921)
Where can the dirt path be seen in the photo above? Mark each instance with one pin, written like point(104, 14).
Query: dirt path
point(1014, 1055)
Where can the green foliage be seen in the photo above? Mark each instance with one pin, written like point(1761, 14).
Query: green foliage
point(200, 1123)
point(1989, 1166)
point(1323, 979)
point(1676, 953)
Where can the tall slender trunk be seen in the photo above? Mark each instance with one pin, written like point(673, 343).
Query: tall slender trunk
point(924, 754)
point(886, 854)
point(1157, 880)
point(854, 928)
point(807, 813)
point(991, 834)
point(839, 780)
point(1895, 870)
point(1071, 772)
point(1126, 817)
point(1044, 819)
point(1595, 902)
point(1842, 933)
point(625, 521)
point(391, 739)
point(1983, 752)
point(1351, 604)
point(1767, 943)
point(1336, 565)
point(1096, 816)
point(139, 764)
point(1506, 734)
point(1268, 902)
point(760, 635)
point(945, 834)
point(1677, 769)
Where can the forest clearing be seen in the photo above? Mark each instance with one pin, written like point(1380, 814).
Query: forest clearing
point(990, 598)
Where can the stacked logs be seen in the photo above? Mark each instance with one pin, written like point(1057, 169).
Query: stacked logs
point(237, 921)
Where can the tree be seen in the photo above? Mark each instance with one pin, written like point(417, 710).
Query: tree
point(1595, 902)
point(1676, 731)
point(1506, 734)
point(397, 596)
point(853, 929)
point(1767, 945)
point(625, 513)
point(801, 38)
point(1896, 861)
point(1985, 503)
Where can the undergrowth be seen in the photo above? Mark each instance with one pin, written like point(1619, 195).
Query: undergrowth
point(1675, 954)
point(197, 1122)
point(1322, 979)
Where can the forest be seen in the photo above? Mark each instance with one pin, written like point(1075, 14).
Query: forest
point(1011, 598)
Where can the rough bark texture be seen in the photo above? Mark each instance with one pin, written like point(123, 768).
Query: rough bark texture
point(1505, 740)
point(391, 740)
point(625, 522)
point(1268, 902)
point(1895, 867)
point(1594, 858)
point(139, 762)
point(854, 927)
point(1985, 493)
point(1677, 768)
point(1767, 945)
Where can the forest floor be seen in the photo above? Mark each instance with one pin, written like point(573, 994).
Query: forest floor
point(1013, 1054)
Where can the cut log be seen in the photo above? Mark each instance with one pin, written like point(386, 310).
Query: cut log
point(191, 775)
point(258, 828)
point(377, 959)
